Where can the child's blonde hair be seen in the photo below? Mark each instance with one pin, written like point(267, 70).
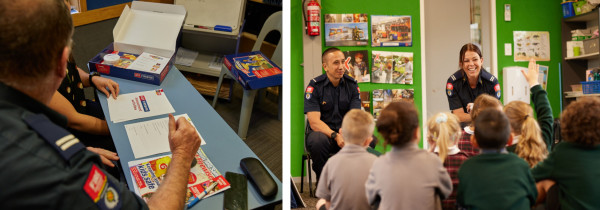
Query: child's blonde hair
point(444, 129)
point(357, 126)
point(531, 146)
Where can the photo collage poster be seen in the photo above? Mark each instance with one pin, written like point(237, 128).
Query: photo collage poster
point(357, 65)
point(392, 67)
point(346, 30)
point(391, 31)
point(383, 97)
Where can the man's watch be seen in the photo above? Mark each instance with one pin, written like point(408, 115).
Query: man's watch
point(93, 74)
point(333, 135)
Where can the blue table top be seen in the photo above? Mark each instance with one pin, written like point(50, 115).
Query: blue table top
point(223, 146)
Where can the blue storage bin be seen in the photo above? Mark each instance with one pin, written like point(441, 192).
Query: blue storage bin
point(590, 87)
point(567, 8)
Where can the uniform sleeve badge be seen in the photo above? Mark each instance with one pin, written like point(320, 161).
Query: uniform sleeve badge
point(101, 190)
point(358, 88)
point(497, 89)
point(449, 89)
point(309, 91)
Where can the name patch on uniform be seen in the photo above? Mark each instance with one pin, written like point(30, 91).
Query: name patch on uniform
point(101, 190)
point(449, 89)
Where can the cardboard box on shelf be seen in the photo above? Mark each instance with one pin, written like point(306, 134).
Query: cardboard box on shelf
point(144, 28)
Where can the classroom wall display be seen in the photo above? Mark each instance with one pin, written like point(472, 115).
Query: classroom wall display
point(357, 65)
point(365, 101)
point(532, 44)
point(381, 98)
point(392, 67)
point(391, 31)
point(346, 30)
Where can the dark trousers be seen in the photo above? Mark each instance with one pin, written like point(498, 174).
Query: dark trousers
point(322, 147)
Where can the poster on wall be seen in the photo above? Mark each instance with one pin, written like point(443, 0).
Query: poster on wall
point(531, 44)
point(383, 97)
point(346, 30)
point(391, 31)
point(365, 101)
point(357, 65)
point(392, 67)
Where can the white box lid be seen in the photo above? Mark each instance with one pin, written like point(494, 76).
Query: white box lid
point(210, 13)
point(149, 25)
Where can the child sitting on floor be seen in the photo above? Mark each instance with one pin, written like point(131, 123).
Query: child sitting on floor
point(444, 132)
point(341, 185)
point(573, 162)
point(405, 177)
point(482, 102)
point(495, 179)
point(528, 142)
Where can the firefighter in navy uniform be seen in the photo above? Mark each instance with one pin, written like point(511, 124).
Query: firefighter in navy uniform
point(327, 99)
point(469, 82)
point(44, 166)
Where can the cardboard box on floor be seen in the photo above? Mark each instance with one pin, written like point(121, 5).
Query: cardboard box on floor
point(146, 27)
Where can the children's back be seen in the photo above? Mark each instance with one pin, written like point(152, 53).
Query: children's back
point(496, 181)
point(408, 178)
point(343, 177)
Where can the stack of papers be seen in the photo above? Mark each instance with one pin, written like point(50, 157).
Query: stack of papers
point(139, 105)
point(152, 136)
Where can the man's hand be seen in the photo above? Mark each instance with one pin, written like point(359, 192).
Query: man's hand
point(183, 138)
point(340, 139)
point(532, 74)
point(105, 155)
point(104, 83)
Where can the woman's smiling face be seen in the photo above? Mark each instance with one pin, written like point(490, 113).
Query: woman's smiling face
point(471, 64)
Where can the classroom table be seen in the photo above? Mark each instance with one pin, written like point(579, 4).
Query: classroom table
point(223, 146)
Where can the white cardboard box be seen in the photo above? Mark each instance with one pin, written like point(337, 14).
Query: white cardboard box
point(145, 27)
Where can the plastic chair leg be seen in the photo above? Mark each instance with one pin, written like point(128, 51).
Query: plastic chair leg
point(246, 112)
point(224, 71)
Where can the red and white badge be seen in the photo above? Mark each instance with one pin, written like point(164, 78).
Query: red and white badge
point(449, 86)
point(358, 88)
point(94, 184)
point(309, 89)
point(497, 87)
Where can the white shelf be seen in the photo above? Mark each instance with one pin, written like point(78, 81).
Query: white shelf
point(584, 57)
point(577, 94)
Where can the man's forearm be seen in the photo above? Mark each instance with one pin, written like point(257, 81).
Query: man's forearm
point(171, 192)
point(320, 126)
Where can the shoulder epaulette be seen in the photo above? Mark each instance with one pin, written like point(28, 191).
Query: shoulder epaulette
point(486, 76)
point(320, 78)
point(456, 76)
point(60, 139)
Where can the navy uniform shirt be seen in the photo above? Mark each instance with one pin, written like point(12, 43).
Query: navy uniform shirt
point(460, 93)
point(45, 167)
point(332, 102)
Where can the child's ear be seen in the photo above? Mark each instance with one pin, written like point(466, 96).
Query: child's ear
point(367, 141)
point(510, 139)
point(417, 135)
point(474, 141)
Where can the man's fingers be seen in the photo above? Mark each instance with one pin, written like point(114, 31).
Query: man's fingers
point(106, 161)
point(172, 126)
point(103, 90)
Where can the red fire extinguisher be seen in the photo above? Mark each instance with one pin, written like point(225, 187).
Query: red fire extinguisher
point(313, 19)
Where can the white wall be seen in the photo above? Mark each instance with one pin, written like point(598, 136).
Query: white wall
point(446, 30)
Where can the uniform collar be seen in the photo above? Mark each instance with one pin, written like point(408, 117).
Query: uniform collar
point(453, 150)
point(13, 96)
point(327, 81)
point(479, 78)
point(494, 151)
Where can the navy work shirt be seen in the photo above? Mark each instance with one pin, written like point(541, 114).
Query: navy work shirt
point(332, 102)
point(460, 93)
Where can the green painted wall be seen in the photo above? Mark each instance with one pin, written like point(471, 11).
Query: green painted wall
point(383, 7)
point(533, 15)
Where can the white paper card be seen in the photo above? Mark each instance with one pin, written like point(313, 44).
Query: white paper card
point(139, 105)
point(149, 63)
point(152, 136)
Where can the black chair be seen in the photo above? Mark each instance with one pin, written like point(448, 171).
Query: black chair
point(306, 157)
